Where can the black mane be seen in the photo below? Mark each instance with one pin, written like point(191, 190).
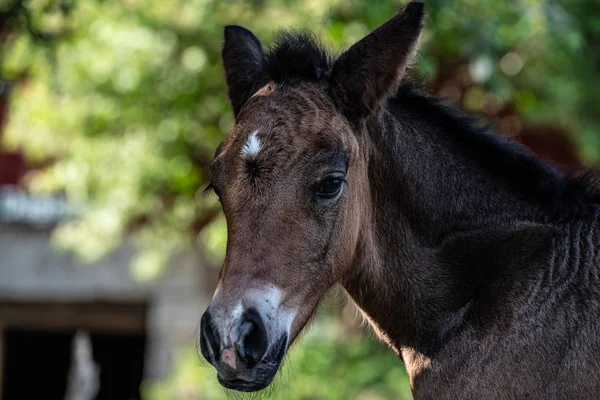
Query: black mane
point(502, 155)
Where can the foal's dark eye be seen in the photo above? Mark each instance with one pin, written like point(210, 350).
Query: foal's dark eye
point(330, 187)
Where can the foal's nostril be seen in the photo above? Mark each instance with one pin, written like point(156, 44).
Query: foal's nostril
point(209, 339)
point(252, 340)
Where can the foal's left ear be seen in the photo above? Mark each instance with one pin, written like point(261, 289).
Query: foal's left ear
point(364, 77)
point(243, 63)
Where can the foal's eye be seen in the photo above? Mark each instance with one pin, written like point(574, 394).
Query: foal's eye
point(330, 187)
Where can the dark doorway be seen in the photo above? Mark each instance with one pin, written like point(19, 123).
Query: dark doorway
point(121, 359)
point(37, 363)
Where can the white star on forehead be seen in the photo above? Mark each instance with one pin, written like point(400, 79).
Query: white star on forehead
point(252, 146)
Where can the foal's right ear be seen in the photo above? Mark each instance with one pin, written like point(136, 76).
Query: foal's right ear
point(369, 72)
point(243, 63)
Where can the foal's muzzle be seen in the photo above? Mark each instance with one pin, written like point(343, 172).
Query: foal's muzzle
point(245, 360)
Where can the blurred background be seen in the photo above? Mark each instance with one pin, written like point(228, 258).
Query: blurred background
point(110, 112)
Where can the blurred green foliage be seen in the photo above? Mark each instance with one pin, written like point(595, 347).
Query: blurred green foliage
point(128, 100)
point(323, 365)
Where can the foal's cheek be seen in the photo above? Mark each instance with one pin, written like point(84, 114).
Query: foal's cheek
point(349, 229)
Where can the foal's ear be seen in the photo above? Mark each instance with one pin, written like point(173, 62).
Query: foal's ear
point(370, 71)
point(242, 60)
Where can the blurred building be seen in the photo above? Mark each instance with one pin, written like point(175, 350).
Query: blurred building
point(65, 324)
point(46, 297)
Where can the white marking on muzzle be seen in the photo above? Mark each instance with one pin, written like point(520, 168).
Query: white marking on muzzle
point(276, 317)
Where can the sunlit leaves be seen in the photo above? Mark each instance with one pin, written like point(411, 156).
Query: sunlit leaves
point(129, 102)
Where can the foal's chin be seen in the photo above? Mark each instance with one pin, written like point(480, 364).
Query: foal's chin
point(241, 385)
point(257, 376)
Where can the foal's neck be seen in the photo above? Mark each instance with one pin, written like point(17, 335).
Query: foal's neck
point(435, 193)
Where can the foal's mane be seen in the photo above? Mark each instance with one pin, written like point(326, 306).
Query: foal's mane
point(501, 155)
point(298, 56)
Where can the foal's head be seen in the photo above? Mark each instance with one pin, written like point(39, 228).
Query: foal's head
point(292, 180)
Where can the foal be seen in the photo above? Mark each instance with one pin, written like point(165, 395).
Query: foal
point(477, 263)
